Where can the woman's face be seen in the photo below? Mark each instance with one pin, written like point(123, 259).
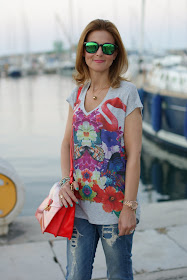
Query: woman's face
point(99, 62)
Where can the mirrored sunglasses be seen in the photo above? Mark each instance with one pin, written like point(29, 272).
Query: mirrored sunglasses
point(107, 48)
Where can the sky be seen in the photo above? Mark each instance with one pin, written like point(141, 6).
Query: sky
point(32, 25)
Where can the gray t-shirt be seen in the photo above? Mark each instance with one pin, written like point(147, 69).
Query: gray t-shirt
point(99, 152)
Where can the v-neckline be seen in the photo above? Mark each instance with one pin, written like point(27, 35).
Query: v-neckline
point(85, 89)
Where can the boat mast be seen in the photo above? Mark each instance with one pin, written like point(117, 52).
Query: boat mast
point(68, 31)
point(141, 50)
point(70, 27)
point(141, 46)
point(26, 32)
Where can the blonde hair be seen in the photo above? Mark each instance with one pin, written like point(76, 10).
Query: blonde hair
point(119, 65)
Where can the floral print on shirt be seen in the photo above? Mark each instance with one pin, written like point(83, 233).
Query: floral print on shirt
point(99, 157)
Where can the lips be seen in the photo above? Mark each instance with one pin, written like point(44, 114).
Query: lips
point(99, 61)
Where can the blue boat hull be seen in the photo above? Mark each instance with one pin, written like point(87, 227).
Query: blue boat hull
point(15, 74)
point(165, 120)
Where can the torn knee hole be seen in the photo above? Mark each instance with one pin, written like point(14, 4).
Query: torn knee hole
point(75, 237)
point(109, 234)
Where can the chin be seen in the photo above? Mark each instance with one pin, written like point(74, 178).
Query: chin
point(99, 69)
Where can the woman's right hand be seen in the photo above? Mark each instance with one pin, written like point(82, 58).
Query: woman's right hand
point(68, 195)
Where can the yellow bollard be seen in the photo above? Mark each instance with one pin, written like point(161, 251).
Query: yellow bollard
point(11, 195)
point(7, 195)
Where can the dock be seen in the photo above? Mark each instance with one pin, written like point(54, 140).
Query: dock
point(159, 248)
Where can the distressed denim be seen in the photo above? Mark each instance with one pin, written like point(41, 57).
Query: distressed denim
point(82, 247)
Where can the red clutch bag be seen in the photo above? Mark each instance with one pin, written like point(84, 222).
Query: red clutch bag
point(53, 217)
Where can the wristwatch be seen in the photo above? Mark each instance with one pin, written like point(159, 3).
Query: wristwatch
point(131, 204)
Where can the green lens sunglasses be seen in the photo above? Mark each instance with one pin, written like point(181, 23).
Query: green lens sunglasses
point(107, 48)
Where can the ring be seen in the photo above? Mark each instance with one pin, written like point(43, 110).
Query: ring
point(131, 231)
point(61, 196)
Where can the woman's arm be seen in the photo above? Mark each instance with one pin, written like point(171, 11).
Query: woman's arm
point(68, 195)
point(133, 144)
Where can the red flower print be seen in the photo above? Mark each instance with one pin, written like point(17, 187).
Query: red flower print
point(112, 200)
point(100, 193)
point(86, 175)
point(86, 134)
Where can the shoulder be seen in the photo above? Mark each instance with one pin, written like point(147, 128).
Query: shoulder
point(128, 86)
point(125, 89)
point(75, 90)
point(82, 88)
point(72, 97)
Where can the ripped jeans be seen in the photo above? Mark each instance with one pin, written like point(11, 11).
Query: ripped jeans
point(82, 247)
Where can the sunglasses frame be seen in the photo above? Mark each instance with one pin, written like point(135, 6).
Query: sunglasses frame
point(101, 45)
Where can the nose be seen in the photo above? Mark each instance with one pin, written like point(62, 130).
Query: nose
point(99, 51)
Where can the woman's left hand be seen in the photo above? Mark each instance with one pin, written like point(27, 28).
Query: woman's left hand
point(127, 221)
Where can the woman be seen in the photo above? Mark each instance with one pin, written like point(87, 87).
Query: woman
point(107, 131)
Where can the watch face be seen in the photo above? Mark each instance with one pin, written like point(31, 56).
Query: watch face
point(134, 205)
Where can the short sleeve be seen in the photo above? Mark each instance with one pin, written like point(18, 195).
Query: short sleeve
point(72, 97)
point(133, 101)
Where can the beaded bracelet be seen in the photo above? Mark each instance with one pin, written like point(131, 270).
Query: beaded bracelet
point(64, 180)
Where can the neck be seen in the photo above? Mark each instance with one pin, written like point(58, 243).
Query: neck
point(99, 81)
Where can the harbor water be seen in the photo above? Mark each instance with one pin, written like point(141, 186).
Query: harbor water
point(33, 113)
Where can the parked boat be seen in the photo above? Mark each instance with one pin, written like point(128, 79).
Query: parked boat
point(66, 67)
point(164, 96)
point(51, 65)
point(14, 71)
point(30, 67)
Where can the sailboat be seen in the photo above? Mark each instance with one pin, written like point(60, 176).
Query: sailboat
point(164, 96)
